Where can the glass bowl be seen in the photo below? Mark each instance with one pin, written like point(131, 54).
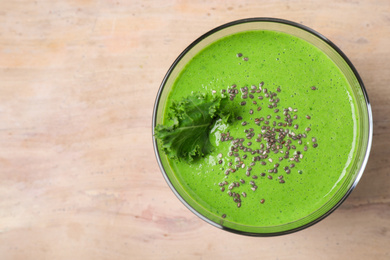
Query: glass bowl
point(363, 111)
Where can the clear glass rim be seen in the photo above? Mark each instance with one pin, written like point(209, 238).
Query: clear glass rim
point(343, 56)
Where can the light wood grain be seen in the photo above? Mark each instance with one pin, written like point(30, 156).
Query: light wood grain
point(78, 177)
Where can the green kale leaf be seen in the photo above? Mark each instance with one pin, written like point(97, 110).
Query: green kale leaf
point(192, 117)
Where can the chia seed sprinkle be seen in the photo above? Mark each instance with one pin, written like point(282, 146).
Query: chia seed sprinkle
point(273, 136)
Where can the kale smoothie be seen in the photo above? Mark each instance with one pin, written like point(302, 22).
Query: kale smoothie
point(275, 133)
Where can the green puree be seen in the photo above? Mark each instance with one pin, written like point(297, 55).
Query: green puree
point(278, 60)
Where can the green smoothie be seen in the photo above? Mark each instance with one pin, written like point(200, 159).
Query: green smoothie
point(290, 145)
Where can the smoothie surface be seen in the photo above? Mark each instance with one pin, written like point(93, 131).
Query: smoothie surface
point(319, 102)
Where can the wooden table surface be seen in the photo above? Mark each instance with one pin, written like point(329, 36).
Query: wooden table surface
point(79, 179)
